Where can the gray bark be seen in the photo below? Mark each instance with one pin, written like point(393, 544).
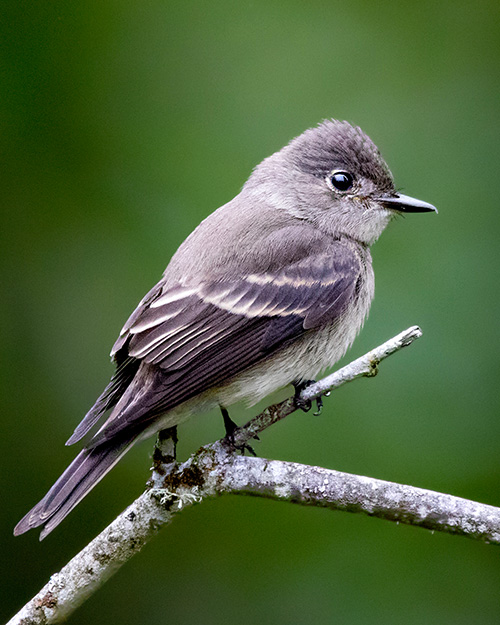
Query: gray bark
point(216, 469)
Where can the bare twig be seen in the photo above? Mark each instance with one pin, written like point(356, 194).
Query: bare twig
point(216, 470)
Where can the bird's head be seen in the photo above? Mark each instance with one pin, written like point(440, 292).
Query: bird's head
point(334, 177)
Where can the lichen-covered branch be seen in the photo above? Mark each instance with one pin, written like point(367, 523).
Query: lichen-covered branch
point(95, 564)
point(216, 469)
point(316, 486)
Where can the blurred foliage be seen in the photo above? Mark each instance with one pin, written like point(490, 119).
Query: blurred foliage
point(122, 125)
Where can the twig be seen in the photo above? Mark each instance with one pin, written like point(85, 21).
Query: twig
point(215, 470)
point(365, 366)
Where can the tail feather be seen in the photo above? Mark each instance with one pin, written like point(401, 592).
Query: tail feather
point(86, 470)
point(107, 400)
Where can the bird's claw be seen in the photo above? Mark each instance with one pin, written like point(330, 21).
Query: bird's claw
point(306, 404)
point(231, 427)
point(303, 404)
point(319, 406)
point(229, 440)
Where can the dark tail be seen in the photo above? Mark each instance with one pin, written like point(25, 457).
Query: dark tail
point(108, 398)
point(79, 478)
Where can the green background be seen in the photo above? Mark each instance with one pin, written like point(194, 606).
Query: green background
point(123, 124)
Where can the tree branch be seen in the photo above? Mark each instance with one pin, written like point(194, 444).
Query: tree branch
point(365, 366)
point(215, 469)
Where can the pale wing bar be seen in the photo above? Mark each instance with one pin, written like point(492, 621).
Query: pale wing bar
point(206, 344)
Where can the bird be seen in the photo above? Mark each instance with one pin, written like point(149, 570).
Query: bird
point(269, 290)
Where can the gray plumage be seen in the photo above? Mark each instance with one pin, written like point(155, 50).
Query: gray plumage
point(270, 289)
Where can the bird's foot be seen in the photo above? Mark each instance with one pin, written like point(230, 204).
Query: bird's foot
point(230, 427)
point(306, 404)
point(165, 450)
point(164, 456)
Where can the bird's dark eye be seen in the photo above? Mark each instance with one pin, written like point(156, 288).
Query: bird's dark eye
point(341, 180)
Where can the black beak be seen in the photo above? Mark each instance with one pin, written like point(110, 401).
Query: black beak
point(405, 204)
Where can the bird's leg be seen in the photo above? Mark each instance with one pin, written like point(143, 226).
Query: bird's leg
point(230, 427)
point(305, 404)
point(165, 450)
point(164, 457)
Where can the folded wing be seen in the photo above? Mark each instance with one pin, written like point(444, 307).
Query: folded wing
point(199, 337)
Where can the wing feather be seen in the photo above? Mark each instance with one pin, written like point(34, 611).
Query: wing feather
point(202, 336)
